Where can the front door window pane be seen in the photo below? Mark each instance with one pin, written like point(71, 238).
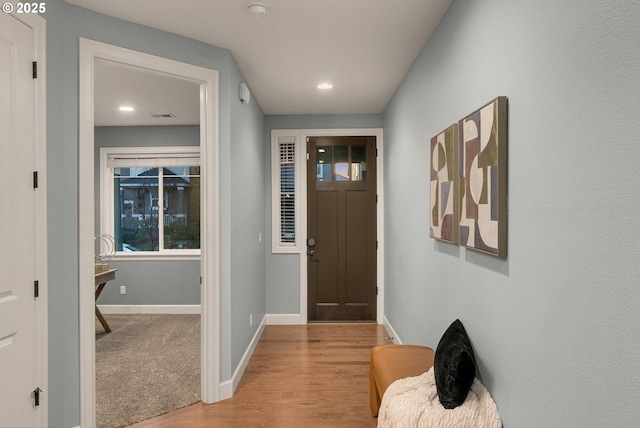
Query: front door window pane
point(358, 163)
point(324, 163)
point(341, 163)
point(341, 159)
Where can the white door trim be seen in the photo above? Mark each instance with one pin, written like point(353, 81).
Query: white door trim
point(90, 51)
point(378, 133)
point(38, 25)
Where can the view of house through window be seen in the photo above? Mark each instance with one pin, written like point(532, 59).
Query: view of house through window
point(157, 208)
point(151, 199)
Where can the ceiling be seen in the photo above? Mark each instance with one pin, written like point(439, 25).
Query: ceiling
point(363, 47)
point(156, 99)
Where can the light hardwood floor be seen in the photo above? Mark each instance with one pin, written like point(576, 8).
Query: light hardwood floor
point(299, 376)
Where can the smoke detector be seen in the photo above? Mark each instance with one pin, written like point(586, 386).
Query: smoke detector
point(257, 10)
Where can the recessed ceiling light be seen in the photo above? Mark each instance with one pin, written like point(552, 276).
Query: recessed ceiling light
point(325, 85)
point(126, 108)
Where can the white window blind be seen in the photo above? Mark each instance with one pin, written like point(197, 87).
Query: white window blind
point(129, 160)
point(287, 152)
point(287, 189)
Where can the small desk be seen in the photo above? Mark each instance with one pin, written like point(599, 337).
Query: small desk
point(101, 280)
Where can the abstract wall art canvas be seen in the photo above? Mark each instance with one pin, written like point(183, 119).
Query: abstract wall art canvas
point(482, 160)
point(444, 182)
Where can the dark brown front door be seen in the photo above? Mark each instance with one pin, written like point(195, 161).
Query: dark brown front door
point(341, 236)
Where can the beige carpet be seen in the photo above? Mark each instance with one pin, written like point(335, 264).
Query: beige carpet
point(147, 366)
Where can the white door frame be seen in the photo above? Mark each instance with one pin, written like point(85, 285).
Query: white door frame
point(90, 51)
point(38, 25)
point(377, 132)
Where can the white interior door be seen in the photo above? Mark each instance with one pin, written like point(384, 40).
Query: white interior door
point(18, 304)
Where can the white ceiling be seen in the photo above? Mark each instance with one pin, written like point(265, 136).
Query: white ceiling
point(156, 99)
point(363, 47)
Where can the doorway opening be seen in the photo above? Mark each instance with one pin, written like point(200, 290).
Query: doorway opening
point(147, 143)
point(90, 53)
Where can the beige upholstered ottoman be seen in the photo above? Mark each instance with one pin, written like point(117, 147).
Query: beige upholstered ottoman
point(393, 362)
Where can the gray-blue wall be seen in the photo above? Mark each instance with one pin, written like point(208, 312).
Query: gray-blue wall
point(65, 24)
point(246, 175)
point(161, 282)
point(556, 325)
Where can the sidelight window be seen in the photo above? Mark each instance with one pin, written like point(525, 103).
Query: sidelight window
point(286, 191)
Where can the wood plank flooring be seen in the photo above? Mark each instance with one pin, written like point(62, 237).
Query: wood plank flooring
point(309, 376)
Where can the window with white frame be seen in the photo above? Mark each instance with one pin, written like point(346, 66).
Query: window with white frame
point(150, 200)
point(285, 191)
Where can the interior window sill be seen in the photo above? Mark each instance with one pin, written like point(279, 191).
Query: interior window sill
point(150, 256)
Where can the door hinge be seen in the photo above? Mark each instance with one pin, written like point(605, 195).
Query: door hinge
point(376, 245)
point(35, 179)
point(36, 288)
point(35, 69)
point(36, 396)
point(377, 289)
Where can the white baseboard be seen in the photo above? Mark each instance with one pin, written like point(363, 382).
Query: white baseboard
point(150, 309)
point(228, 387)
point(392, 333)
point(284, 319)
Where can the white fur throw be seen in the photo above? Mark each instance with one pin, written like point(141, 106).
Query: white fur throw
point(413, 402)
